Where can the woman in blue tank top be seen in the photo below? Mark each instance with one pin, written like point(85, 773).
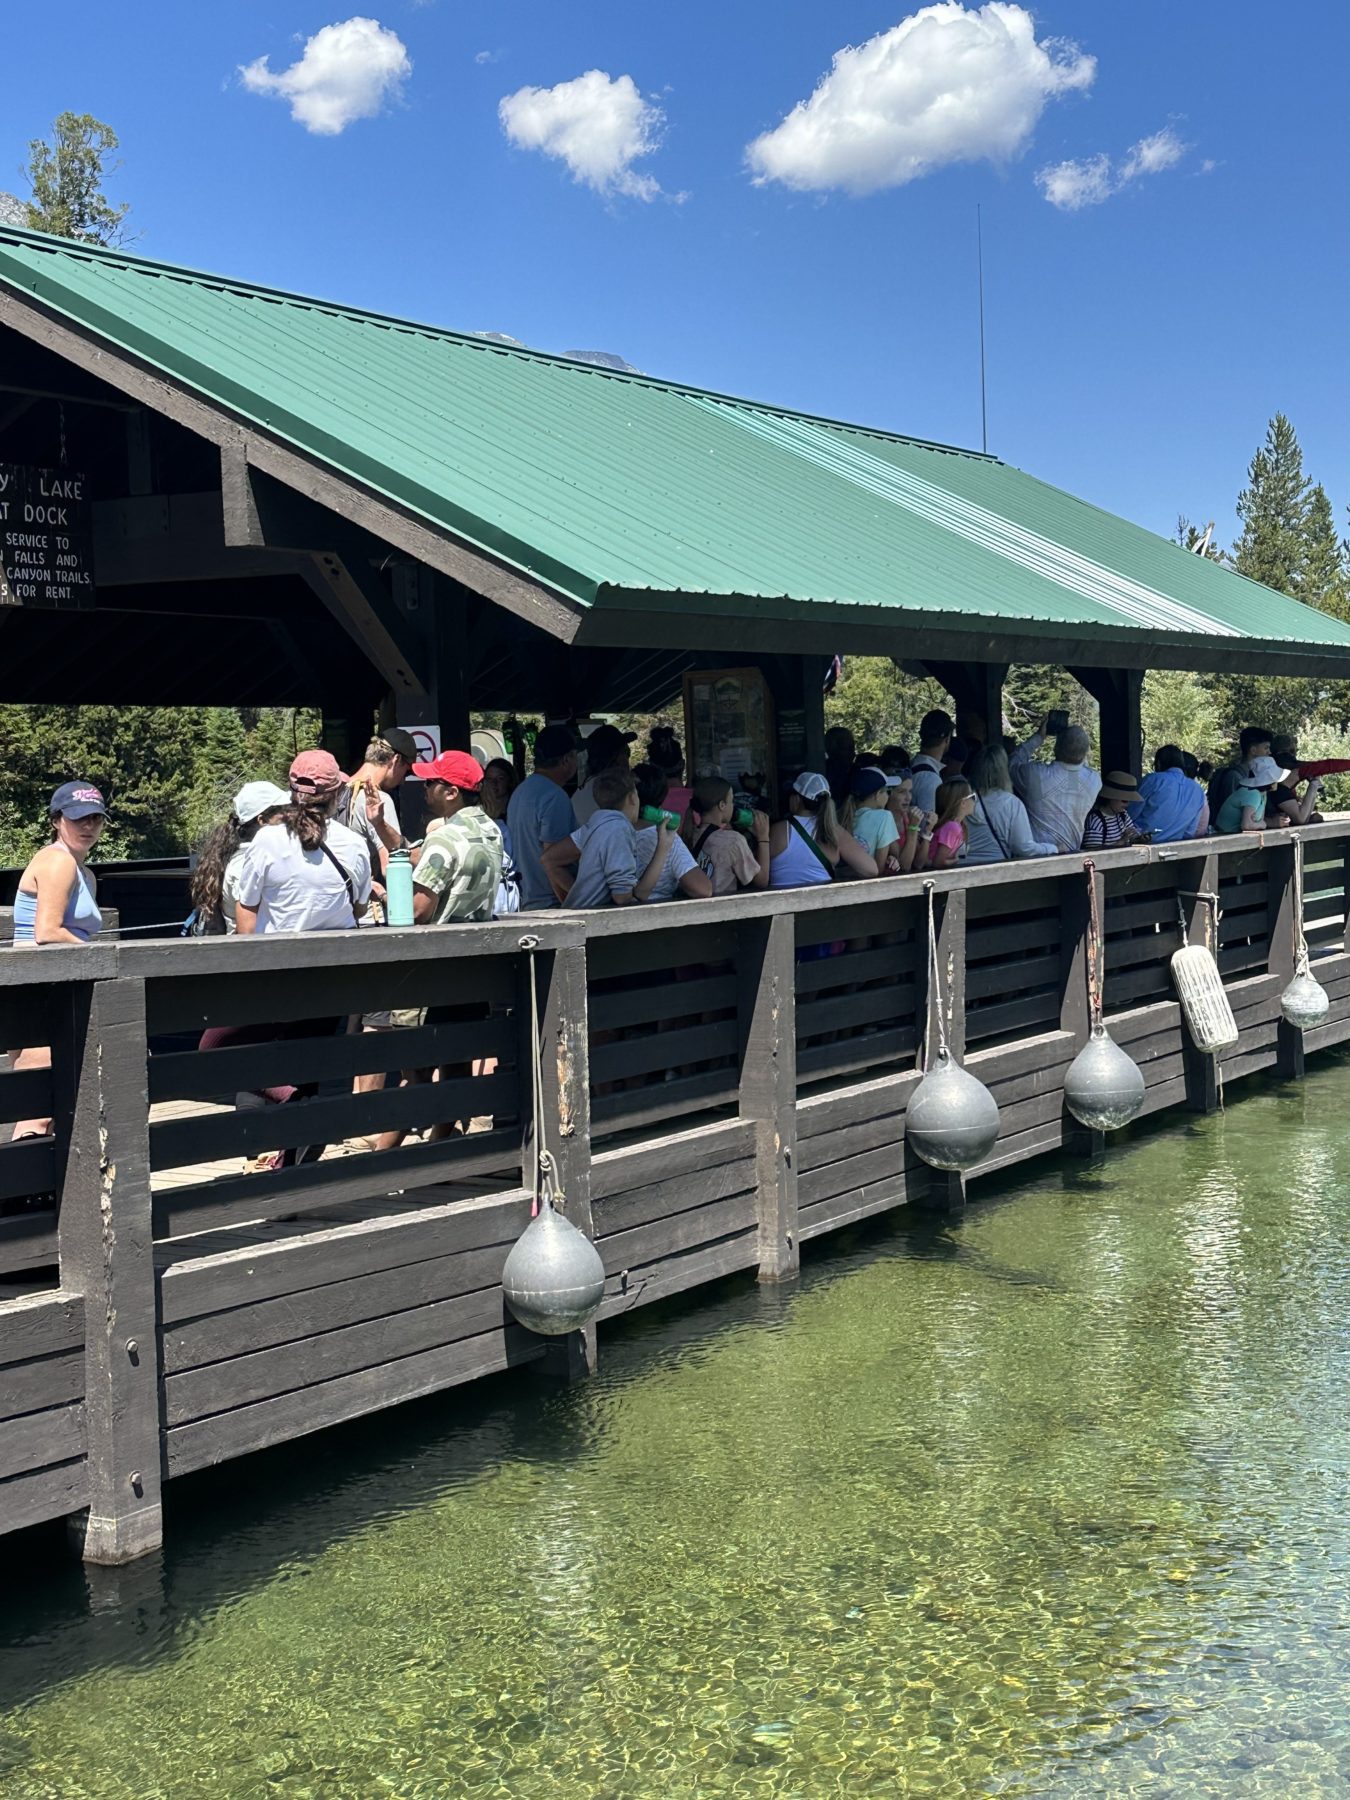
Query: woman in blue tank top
point(56, 901)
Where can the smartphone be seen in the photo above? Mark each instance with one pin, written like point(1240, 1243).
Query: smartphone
point(1057, 722)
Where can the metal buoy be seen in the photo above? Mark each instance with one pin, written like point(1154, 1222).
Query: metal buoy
point(1305, 1002)
point(952, 1120)
point(1104, 1088)
point(554, 1279)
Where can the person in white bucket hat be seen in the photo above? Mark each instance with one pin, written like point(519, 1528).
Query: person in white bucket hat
point(1245, 807)
point(220, 862)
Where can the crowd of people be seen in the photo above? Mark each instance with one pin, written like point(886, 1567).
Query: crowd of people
point(317, 854)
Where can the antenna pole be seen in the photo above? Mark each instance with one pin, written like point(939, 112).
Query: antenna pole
point(979, 257)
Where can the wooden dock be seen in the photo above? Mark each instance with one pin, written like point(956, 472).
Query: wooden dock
point(725, 1080)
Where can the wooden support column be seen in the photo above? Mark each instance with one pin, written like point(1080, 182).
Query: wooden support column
point(976, 689)
point(767, 967)
point(942, 1190)
point(1283, 929)
point(1118, 693)
point(1200, 876)
point(1075, 1010)
point(107, 1255)
point(565, 1079)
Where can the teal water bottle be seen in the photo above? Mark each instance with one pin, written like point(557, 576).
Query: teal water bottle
point(398, 887)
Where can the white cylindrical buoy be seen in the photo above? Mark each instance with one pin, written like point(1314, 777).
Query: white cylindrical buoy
point(1208, 1012)
point(1305, 1002)
point(553, 1279)
point(1104, 1088)
point(952, 1121)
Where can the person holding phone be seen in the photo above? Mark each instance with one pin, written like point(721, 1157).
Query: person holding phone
point(1057, 795)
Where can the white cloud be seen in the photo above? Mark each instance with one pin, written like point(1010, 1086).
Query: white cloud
point(1073, 185)
point(348, 71)
point(946, 85)
point(486, 56)
point(599, 125)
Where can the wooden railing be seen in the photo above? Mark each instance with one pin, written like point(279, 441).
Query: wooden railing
point(725, 1079)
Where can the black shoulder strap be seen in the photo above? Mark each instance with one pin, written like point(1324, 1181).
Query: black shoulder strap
point(346, 878)
point(703, 837)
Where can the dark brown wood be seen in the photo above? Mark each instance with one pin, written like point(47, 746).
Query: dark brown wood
point(767, 964)
point(630, 1288)
point(43, 1494)
point(1118, 693)
point(684, 1153)
point(39, 1439)
point(107, 1254)
point(663, 1199)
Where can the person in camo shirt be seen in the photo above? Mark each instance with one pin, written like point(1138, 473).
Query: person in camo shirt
point(459, 864)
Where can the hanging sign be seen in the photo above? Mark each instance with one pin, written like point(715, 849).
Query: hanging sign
point(46, 554)
point(428, 743)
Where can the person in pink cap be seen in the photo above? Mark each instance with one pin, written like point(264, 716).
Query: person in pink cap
point(306, 872)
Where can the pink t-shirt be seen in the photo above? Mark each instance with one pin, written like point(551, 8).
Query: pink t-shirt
point(951, 835)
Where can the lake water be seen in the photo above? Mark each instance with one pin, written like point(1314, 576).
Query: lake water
point(1049, 1502)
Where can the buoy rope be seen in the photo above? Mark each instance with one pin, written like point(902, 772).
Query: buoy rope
point(1095, 950)
point(545, 1180)
point(935, 985)
point(1301, 960)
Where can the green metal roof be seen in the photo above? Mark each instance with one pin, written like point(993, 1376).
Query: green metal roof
point(623, 490)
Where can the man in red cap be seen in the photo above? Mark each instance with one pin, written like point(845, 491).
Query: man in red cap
point(459, 867)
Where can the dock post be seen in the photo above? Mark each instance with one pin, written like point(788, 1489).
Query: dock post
point(1282, 928)
point(564, 1041)
point(943, 1190)
point(767, 960)
point(106, 1242)
point(1075, 1013)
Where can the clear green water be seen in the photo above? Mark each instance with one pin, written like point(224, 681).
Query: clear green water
point(1051, 1503)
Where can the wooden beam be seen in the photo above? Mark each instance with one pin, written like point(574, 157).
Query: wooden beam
point(145, 539)
point(495, 580)
point(1118, 692)
point(1075, 1013)
point(767, 967)
point(107, 1254)
point(361, 606)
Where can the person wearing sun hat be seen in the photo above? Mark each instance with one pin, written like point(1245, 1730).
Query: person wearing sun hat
point(214, 885)
point(1245, 807)
point(307, 872)
point(1108, 825)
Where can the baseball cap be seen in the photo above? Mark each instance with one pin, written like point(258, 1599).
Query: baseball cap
point(77, 800)
point(316, 772)
point(455, 766)
point(401, 742)
point(867, 782)
point(257, 797)
point(553, 744)
point(810, 786)
point(890, 780)
point(605, 742)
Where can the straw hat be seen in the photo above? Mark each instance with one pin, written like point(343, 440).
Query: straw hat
point(1119, 785)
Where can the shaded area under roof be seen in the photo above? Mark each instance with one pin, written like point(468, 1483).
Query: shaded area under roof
point(630, 495)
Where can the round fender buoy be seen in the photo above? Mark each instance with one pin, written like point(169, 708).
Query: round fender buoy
point(952, 1121)
point(1103, 1088)
point(1305, 1002)
point(553, 1279)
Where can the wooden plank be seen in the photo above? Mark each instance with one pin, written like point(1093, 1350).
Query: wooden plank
point(25, 1094)
point(305, 1362)
point(846, 1056)
point(299, 1062)
point(891, 915)
point(864, 1169)
point(45, 1381)
point(1035, 890)
point(663, 1199)
point(631, 1288)
point(313, 1187)
point(26, 1009)
point(39, 1325)
point(678, 1231)
point(663, 1101)
point(43, 1494)
point(856, 1104)
point(224, 1279)
point(994, 938)
point(849, 1140)
point(611, 1011)
point(847, 1012)
point(1020, 1148)
point(671, 947)
point(290, 1318)
point(39, 1439)
point(1027, 1013)
point(1142, 947)
point(27, 1167)
point(276, 1421)
point(1127, 989)
point(28, 1241)
point(1163, 1096)
point(107, 1254)
point(852, 1207)
point(659, 1050)
point(316, 988)
point(680, 1153)
point(854, 969)
point(986, 979)
point(211, 1136)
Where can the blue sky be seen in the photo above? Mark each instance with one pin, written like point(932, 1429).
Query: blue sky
point(1138, 341)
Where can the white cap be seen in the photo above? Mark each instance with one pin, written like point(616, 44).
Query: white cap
point(257, 797)
point(810, 786)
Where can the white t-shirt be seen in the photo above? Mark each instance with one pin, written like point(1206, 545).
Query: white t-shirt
point(300, 890)
point(678, 863)
point(584, 803)
point(229, 887)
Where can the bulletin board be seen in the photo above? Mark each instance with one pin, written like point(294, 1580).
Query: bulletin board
point(729, 726)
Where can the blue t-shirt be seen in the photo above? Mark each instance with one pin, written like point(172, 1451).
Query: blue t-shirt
point(540, 813)
point(608, 865)
point(874, 827)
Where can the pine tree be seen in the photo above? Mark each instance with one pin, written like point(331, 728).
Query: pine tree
point(1325, 580)
point(66, 176)
point(220, 768)
point(1273, 508)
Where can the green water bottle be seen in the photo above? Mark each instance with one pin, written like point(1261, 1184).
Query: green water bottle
point(657, 815)
point(398, 889)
